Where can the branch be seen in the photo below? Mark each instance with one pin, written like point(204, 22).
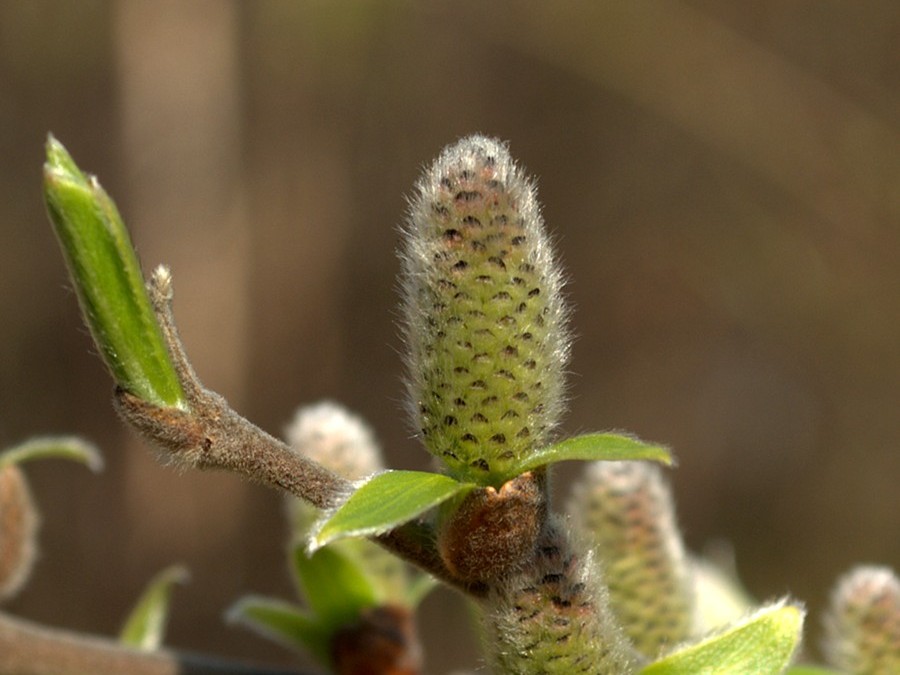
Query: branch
point(29, 649)
point(207, 434)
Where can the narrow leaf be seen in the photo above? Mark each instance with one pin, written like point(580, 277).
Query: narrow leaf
point(54, 447)
point(145, 627)
point(282, 622)
point(601, 446)
point(108, 280)
point(762, 644)
point(334, 585)
point(386, 501)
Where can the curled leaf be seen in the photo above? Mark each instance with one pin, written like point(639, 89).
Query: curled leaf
point(108, 280)
point(54, 447)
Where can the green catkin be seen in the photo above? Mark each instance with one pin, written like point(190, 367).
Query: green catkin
point(553, 617)
point(484, 317)
point(625, 511)
point(862, 627)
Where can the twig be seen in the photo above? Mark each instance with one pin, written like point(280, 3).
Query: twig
point(208, 434)
point(29, 649)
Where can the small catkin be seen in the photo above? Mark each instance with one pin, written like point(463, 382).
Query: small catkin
point(342, 442)
point(862, 626)
point(553, 617)
point(484, 317)
point(329, 434)
point(626, 512)
point(18, 531)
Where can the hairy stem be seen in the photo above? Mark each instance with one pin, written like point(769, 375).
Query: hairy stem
point(208, 434)
point(29, 649)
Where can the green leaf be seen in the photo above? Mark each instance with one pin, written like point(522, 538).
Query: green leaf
point(54, 447)
point(146, 625)
point(108, 280)
point(762, 644)
point(282, 622)
point(592, 447)
point(810, 670)
point(386, 501)
point(334, 585)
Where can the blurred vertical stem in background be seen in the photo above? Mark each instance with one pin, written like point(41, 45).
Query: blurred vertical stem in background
point(108, 281)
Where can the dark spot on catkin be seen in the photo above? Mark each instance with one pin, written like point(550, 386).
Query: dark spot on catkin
point(468, 195)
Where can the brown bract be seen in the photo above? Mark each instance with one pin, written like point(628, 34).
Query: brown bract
point(493, 531)
point(382, 642)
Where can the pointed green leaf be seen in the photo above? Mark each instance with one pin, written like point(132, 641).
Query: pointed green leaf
point(108, 280)
point(810, 670)
point(334, 585)
point(145, 627)
point(762, 644)
point(386, 501)
point(282, 622)
point(54, 447)
point(592, 447)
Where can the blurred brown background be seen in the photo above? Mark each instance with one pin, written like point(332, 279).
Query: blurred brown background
point(723, 179)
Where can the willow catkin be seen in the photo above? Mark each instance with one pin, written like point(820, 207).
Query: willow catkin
point(484, 316)
point(626, 512)
point(862, 627)
point(18, 530)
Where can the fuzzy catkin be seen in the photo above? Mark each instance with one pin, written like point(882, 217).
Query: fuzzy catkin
point(342, 442)
point(553, 617)
point(484, 317)
point(18, 530)
point(862, 627)
point(626, 512)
